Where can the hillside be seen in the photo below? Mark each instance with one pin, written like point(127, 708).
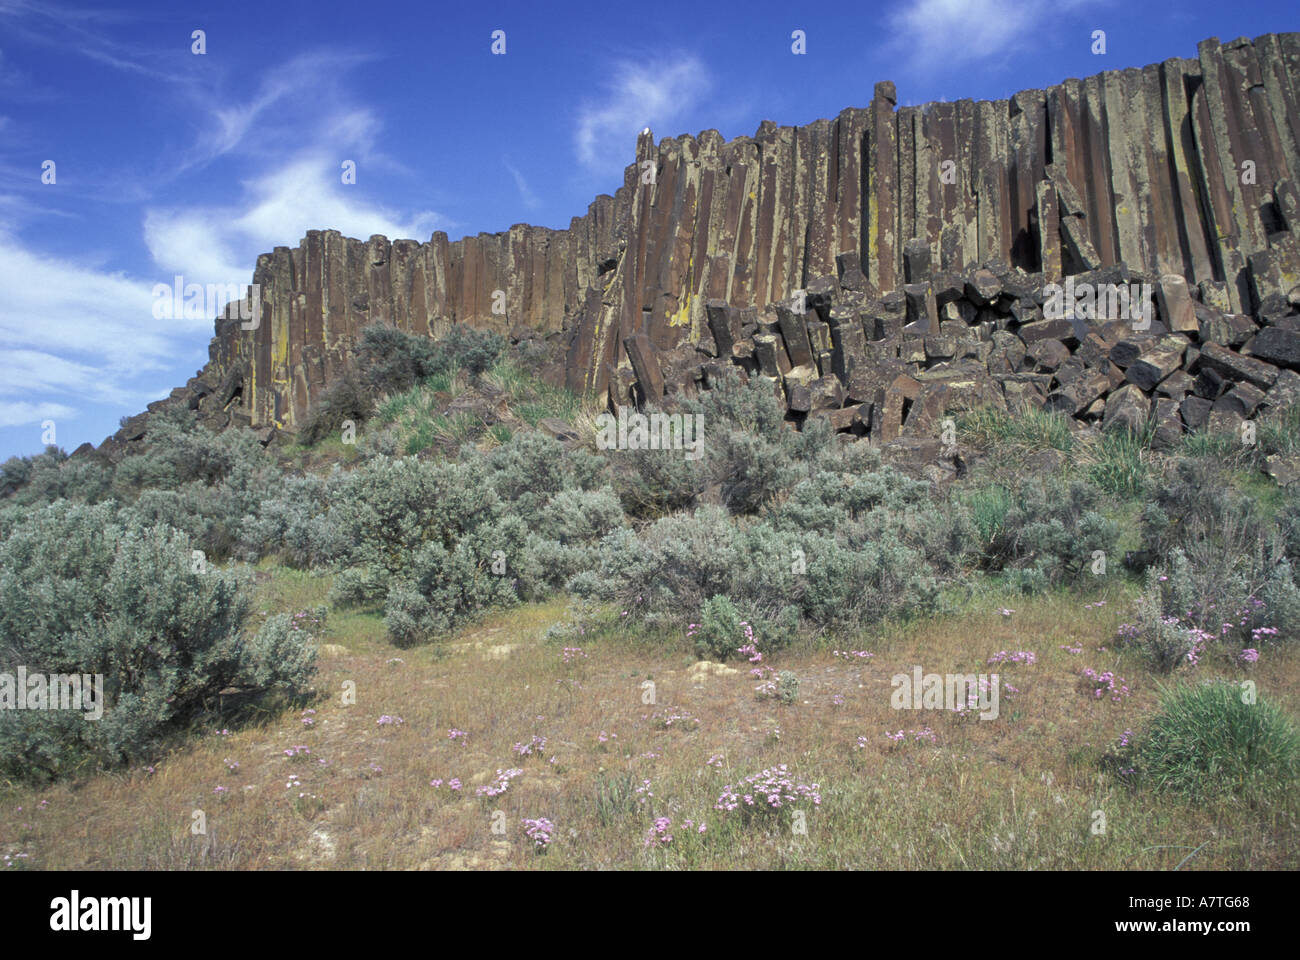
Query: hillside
point(811, 503)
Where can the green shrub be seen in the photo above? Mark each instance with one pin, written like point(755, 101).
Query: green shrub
point(428, 540)
point(472, 350)
point(387, 509)
point(1207, 743)
point(1035, 526)
point(53, 475)
point(719, 634)
point(1280, 596)
point(774, 575)
point(392, 360)
point(346, 399)
point(446, 587)
point(292, 522)
point(532, 468)
point(749, 455)
point(652, 483)
point(1198, 510)
point(81, 592)
point(14, 473)
point(1163, 639)
point(545, 566)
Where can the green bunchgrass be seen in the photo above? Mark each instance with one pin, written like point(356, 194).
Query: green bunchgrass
point(1215, 740)
point(1278, 431)
point(532, 399)
point(1031, 428)
point(1203, 443)
point(1120, 461)
point(989, 507)
point(303, 457)
point(415, 419)
point(446, 382)
point(419, 437)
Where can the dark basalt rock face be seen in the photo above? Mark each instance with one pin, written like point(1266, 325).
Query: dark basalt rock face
point(904, 253)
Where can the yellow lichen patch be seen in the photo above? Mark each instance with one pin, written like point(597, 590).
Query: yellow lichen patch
point(682, 317)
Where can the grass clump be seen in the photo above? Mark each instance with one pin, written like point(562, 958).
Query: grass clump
point(1032, 428)
point(1216, 740)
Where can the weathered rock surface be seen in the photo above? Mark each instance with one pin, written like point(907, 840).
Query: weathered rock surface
point(877, 261)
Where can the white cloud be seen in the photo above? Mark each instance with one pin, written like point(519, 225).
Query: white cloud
point(530, 199)
point(22, 414)
point(935, 33)
point(305, 127)
point(221, 244)
point(288, 101)
point(70, 331)
point(75, 333)
point(642, 93)
point(85, 32)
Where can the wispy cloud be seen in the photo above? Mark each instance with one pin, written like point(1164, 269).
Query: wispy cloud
point(295, 132)
point(302, 93)
point(84, 32)
point(932, 34)
point(530, 199)
point(70, 331)
point(21, 413)
point(641, 93)
point(219, 244)
point(73, 331)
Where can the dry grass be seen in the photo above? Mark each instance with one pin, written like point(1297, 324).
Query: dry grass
point(1018, 792)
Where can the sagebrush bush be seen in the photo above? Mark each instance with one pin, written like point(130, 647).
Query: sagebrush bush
point(180, 451)
point(292, 522)
point(777, 570)
point(850, 497)
point(446, 587)
point(472, 350)
point(1214, 741)
point(719, 634)
point(1163, 640)
point(84, 592)
point(532, 468)
point(1189, 610)
point(53, 475)
point(749, 455)
point(437, 542)
point(15, 472)
point(1038, 526)
point(392, 360)
point(346, 399)
point(386, 509)
point(1198, 509)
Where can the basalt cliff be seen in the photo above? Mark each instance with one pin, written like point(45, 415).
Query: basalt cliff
point(879, 268)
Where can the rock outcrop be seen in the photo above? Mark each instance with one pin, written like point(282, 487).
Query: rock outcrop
point(920, 238)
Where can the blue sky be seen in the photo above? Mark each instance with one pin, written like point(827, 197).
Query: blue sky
point(168, 162)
